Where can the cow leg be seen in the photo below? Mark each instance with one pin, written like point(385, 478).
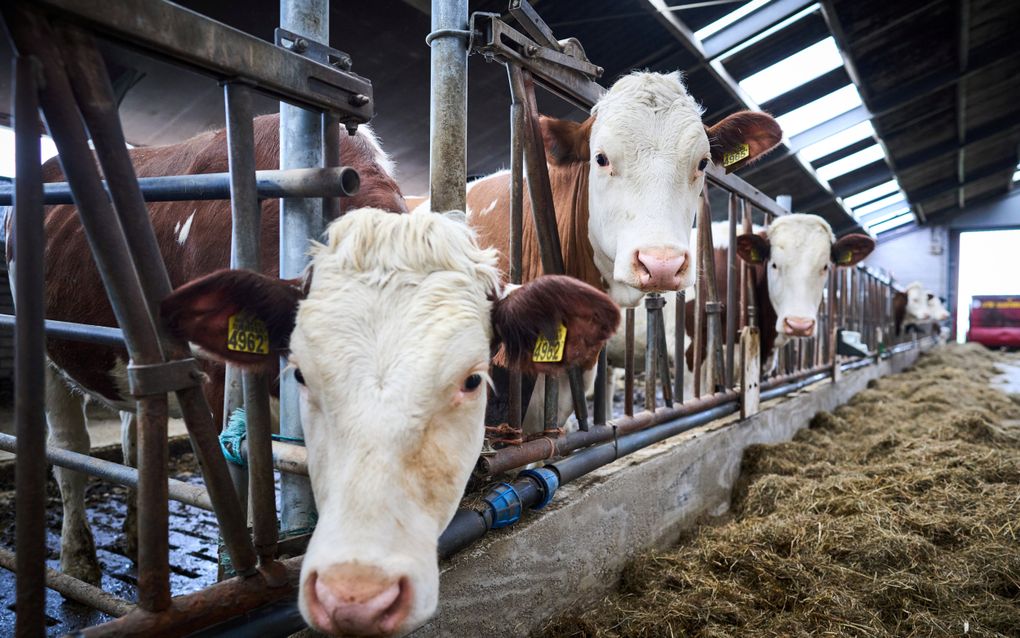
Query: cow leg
point(66, 421)
point(129, 446)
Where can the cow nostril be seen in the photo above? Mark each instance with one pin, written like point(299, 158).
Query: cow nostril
point(350, 599)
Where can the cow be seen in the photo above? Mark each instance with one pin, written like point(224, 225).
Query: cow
point(194, 239)
point(910, 308)
point(625, 186)
point(392, 402)
point(938, 314)
point(790, 263)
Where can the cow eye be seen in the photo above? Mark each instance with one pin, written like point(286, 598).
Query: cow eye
point(471, 383)
point(703, 164)
point(601, 159)
point(775, 266)
point(300, 378)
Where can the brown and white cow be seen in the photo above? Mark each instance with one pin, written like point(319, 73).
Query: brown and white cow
point(194, 239)
point(392, 402)
point(910, 308)
point(625, 186)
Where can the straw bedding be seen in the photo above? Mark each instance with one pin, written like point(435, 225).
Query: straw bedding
point(896, 514)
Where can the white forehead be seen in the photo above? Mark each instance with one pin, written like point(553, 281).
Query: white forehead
point(650, 111)
point(915, 292)
point(383, 281)
point(801, 238)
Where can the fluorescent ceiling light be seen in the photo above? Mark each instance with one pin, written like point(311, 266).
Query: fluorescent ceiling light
point(821, 110)
point(878, 204)
point(851, 162)
point(728, 19)
point(833, 143)
point(878, 219)
point(872, 193)
point(889, 224)
point(801, 67)
point(47, 149)
point(767, 32)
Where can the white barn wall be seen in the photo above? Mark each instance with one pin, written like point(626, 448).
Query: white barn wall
point(920, 255)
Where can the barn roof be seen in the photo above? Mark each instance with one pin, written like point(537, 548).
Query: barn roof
point(895, 112)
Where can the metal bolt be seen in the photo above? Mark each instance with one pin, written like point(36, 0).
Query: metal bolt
point(531, 50)
point(358, 100)
point(299, 45)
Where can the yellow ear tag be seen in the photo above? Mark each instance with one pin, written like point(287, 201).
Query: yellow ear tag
point(246, 333)
point(755, 255)
point(846, 258)
point(731, 158)
point(550, 351)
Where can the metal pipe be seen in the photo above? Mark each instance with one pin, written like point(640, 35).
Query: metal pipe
point(628, 363)
point(69, 587)
point(300, 220)
point(516, 239)
point(653, 304)
point(730, 337)
point(29, 362)
point(74, 331)
point(330, 161)
point(246, 227)
point(187, 493)
point(287, 457)
point(153, 504)
point(603, 395)
point(680, 355)
point(339, 181)
point(448, 111)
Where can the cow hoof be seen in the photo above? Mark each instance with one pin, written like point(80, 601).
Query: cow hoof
point(83, 568)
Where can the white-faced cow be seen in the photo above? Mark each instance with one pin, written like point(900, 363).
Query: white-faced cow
point(392, 402)
point(910, 308)
point(194, 239)
point(625, 186)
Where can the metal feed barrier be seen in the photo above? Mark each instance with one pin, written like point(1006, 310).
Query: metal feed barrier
point(59, 70)
point(325, 95)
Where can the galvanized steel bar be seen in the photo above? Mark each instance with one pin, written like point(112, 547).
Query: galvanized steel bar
point(628, 363)
point(29, 353)
point(652, 305)
point(300, 220)
point(329, 182)
point(679, 356)
point(662, 358)
point(246, 231)
point(603, 394)
point(730, 338)
point(74, 331)
point(448, 112)
point(330, 161)
point(516, 237)
point(69, 587)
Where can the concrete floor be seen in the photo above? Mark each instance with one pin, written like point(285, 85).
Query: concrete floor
point(1009, 380)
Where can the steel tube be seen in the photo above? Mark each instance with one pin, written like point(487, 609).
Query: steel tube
point(300, 220)
point(651, 343)
point(106, 231)
point(730, 337)
point(29, 361)
point(71, 588)
point(153, 505)
point(74, 331)
point(330, 161)
point(448, 110)
point(603, 395)
point(286, 457)
point(680, 356)
point(628, 362)
point(187, 493)
point(332, 182)
point(516, 238)
point(246, 226)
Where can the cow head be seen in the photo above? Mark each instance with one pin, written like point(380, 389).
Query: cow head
point(936, 309)
point(798, 251)
point(391, 343)
point(648, 151)
point(917, 304)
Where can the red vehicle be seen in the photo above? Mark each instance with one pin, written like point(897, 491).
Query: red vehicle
point(995, 321)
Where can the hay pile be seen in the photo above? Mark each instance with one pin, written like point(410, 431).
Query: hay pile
point(897, 514)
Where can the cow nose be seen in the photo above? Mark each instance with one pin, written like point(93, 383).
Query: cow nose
point(799, 326)
point(352, 599)
point(660, 269)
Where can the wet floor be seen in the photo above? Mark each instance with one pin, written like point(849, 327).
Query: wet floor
point(193, 549)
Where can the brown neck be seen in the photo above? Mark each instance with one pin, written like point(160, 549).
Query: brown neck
point(570, 182)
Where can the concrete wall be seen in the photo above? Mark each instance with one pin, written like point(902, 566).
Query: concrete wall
point(1001, 213)
point(569, 555)
point(919, 255)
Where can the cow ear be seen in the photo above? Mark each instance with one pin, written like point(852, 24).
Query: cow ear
point(551, 324)
point(742, 138)
point(930, 296)
point(566, 141)
point(238, 316)
point(850, 249)
point(752, 248)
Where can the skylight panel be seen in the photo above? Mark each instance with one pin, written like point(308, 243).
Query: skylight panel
point(46, 147)
point(821, 110)
point(851, 162)
point(728, 19)
point(872, 193)
point(874, 220)
point(889, 224)
point(799, 68)
point(833, 143)
point(878, 204)
point(776, 28)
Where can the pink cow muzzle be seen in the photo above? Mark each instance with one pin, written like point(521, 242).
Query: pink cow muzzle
point(660, 269)
point(799, 326)
point(357, 600)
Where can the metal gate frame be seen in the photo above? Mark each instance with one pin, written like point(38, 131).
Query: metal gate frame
point(58, 69)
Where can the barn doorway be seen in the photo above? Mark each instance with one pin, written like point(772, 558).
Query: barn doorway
point(983, 255)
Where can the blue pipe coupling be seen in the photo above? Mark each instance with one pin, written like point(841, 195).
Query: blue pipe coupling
point(505, 503)
point(548, 481)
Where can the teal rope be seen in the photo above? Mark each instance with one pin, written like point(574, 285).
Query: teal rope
point(233, 435)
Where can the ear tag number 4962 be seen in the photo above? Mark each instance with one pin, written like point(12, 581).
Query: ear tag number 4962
point(547, 351)
point(246, 333)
